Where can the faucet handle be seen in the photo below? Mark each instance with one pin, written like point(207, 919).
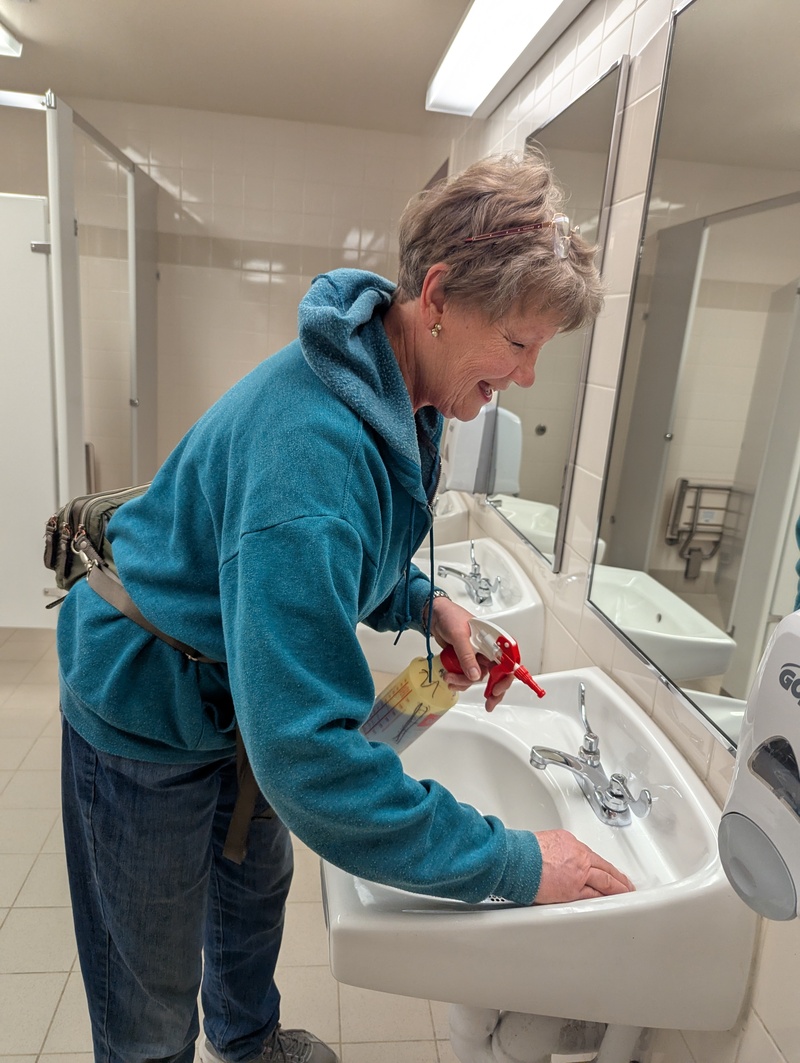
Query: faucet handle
point(476, 568)
point(619, 789)
point(591, 741)
point(582, 707)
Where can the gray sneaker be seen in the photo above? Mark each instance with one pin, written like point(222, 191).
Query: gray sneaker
point(282, 1046)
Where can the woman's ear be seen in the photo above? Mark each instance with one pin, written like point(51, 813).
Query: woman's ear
point(432, 298)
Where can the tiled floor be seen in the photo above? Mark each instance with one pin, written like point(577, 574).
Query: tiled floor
point(42, 1005)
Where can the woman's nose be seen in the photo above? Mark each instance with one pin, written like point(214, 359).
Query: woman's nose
point(525, 374)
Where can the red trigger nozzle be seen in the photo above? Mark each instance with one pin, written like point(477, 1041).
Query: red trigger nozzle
point(525, 676)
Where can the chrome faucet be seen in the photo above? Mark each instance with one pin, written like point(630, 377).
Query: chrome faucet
point(479, 588)
point(610, 797)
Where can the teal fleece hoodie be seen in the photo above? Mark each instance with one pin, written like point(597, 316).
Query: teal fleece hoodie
point(287, 515)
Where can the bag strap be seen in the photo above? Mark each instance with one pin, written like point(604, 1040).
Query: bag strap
point(109, 587)
point(235, 848)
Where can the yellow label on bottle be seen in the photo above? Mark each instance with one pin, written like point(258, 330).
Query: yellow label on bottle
point(415, 685)
point(430, 687)
point(413, 701)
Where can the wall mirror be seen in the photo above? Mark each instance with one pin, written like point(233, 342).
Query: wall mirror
point(536, 429)
point(701, 493)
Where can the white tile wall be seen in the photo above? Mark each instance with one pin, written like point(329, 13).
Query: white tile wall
point(582, 514)
point(604, 364)
point(250, 210)
point(774, 998)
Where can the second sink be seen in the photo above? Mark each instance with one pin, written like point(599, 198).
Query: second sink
point(516, 606)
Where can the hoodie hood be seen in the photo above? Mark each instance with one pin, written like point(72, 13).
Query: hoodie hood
point(340, 325)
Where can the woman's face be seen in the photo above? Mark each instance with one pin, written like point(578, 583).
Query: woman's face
point(472, 358)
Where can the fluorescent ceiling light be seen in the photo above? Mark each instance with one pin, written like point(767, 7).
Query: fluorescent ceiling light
point(9, 45)
point(497, 42)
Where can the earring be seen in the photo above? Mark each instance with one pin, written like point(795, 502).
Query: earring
point(437, 328)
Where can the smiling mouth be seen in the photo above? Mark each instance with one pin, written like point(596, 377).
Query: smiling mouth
point(487, 389)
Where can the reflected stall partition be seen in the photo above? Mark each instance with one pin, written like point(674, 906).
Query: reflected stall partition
point(696, 549)
point(536, 431)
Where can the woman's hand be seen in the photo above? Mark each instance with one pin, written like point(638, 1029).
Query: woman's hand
point(572, 872)
point(450, 627)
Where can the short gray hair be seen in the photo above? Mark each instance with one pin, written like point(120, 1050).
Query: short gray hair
point(498, 192)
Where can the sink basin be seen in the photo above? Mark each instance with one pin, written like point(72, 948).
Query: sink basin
point(451, 518)
point(726, 713)
point(675, 954)
point(537, 521)
point(516, 607)
point(681, 641)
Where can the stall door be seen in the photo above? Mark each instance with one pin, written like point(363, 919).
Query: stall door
point(27, 421)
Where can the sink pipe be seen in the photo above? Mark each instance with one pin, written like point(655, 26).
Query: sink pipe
point(486, 1035)
point(619, 1044)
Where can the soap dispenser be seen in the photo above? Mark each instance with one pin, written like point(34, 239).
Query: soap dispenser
point(759, 834)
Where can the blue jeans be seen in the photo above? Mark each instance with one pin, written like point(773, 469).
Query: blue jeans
point(158, 910)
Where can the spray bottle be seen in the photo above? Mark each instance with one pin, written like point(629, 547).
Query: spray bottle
point(418, 697)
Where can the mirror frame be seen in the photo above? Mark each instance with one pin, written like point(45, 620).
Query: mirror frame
point(622, 66)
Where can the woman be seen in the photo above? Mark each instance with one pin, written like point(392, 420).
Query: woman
point(286, 516)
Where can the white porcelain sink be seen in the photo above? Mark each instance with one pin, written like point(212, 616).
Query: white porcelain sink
point(675, 954)
point(451, 518)
point(726, 713)
point(678, 639)
point(516, 606)
point(537, 521)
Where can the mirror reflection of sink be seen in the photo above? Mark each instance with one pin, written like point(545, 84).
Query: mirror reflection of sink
point(726, 713)
point(681, 641)
point(636, 959)
point(537, 521)
point(450, 518)
point(516, 606)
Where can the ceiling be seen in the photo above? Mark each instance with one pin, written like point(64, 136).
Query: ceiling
point(367, 64)
point(359, 63)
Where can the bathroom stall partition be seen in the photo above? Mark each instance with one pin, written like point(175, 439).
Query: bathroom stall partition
point(44, 392)
point(756, 579)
